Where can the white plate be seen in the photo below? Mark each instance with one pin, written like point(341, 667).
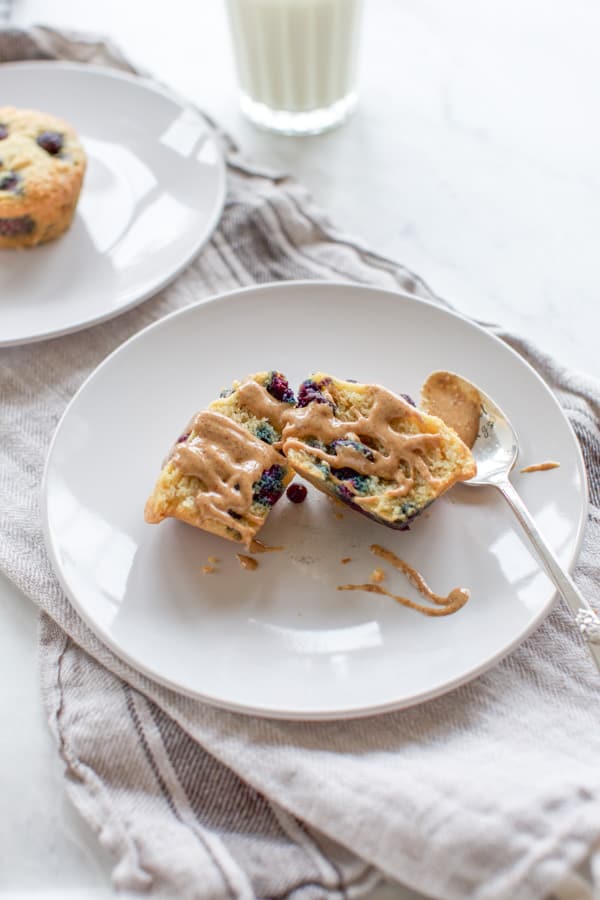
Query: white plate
point(152, 195)
point(282, 641)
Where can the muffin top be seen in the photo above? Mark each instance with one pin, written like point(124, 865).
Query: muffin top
point(39, 155)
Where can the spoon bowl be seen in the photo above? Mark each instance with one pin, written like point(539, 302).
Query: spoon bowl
point(496, 446)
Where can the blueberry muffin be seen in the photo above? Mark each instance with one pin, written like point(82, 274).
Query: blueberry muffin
point(42, 165)
point(372, 449)
point(226, 471)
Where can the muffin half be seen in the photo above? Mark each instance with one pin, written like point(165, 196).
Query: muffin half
point(226, 471)
point(372, 449)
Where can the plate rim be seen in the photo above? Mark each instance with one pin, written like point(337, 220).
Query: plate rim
point(204, 235)
point(349, 713)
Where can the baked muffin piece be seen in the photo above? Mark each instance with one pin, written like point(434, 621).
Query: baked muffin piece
point(42, 164)
point(226, 471)
point(372, 449)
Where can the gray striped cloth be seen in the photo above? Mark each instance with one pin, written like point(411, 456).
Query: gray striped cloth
point(490, 792)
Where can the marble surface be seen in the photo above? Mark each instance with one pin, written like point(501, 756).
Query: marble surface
point(472, 158)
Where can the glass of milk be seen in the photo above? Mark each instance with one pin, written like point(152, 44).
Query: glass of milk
point(296, 61)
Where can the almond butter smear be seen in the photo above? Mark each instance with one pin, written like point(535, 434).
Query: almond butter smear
point(228, 460)
point(247, 562)
point(444, 606)
point(377, 576)
point(541, 467)
point(458, 404)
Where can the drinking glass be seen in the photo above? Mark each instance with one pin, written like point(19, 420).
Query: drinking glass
point(296, 61)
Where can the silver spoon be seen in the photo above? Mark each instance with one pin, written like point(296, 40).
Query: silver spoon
point(495, 451)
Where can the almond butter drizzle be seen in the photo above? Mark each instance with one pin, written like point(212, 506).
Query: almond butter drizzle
point(255, 398)
point(541, 467)
point(228, 460)
point(444, 605)
point(403, 452)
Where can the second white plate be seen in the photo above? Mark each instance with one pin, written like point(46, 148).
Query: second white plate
point(152, 195)
point(283, 641)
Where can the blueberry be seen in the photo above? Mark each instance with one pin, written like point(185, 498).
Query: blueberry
point(277, 385)
point(408, 399)
point(183, 437)
point(296, 493)
point(266, 433)
point(16, 226)
point(356, 445)
point(10, 182)
point(359, 482)
point(226, 392)
point(309, 392)
point(409, 510)
point(51, 142)
point(233, 514)
point(345, 474)
point(3, 132)
point(345, 494)
point(269, 487)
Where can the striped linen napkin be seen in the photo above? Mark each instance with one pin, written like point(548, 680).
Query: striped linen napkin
point(492, 791)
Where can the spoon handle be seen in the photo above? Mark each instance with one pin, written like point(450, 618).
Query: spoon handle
point(586, 618)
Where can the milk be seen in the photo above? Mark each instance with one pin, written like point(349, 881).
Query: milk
point(296, 57)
